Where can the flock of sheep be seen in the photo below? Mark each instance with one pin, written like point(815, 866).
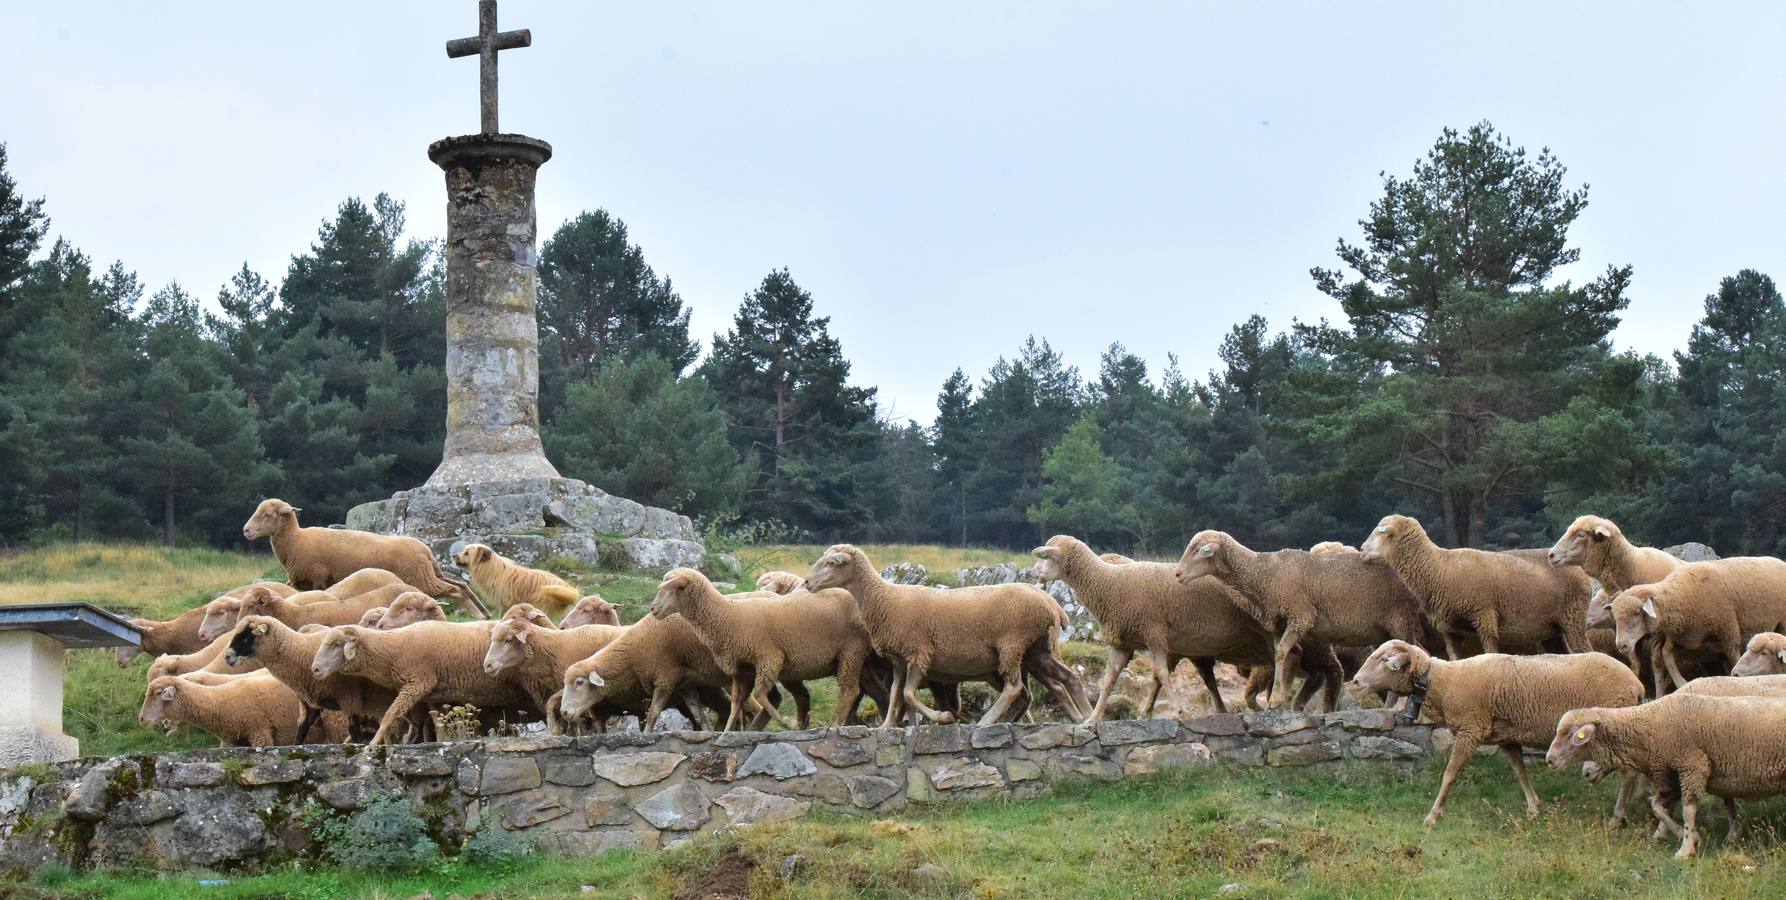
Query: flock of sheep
point(356, 646)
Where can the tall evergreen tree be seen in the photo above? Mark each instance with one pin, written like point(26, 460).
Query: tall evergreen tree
point(814, 436)
point(953, 438)
point(1024, 407)
point(22, 227)
point(1082, 491)
point(1451, 291)
point(599, 299)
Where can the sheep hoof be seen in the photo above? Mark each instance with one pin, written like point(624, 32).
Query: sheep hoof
point(945, 717)
point(1430, 820)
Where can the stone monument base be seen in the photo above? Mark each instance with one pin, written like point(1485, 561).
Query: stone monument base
point(22, 745)
point(531, 520)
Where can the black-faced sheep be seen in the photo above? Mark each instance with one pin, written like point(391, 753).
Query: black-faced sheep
point(288, 655)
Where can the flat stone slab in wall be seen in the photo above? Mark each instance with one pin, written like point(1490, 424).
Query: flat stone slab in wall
point(245, 809)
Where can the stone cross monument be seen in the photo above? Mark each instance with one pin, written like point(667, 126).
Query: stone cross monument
point(494, 484)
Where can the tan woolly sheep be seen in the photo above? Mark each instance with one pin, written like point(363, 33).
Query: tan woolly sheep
point(655, 664)
point(221, 614)
point(504, 583)
point(1116, 559)
point(1764, 655)
point(780, 582)
point(801, 637)
point(1685, 744)
point(961, 633)
point(1714, 605)
point(1509, 701)
point(250, 711)
point(535, 657)
point(316, 558)
point(409, 608)
point(181, 633)
point(1511, 600)
point(1143, 607)
point(297, 613)
point(427, 662)
point(288, 655)
point(1337, 598)
point(1332, 548)
point(591, 610)
point(1600, 549)
point(1736, 686)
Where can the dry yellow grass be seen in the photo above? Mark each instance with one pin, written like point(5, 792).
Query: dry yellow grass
point(941, 561)
point(153, 581)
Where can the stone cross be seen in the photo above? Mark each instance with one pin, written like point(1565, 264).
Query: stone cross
point(484, 47)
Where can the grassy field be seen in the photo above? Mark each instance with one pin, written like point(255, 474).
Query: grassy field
point(1348, 832)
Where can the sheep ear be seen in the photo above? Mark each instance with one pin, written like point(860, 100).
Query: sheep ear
point(595, 680)
point(349, 647)
point(1394, 663)
point(521, 635)
point(1649, 608)
point(1602, 533)
point(1781, 655)
point(1039, 553)
point(1582, 735)
point(260, 628)
point(167, 693)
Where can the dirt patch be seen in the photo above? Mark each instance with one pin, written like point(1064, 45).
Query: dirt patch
point(727, 879)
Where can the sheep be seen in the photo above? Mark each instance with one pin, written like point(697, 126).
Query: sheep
point(409, 608)
point(288, 655)
point(1510, 701)
point(794, 639)
point(529, 613)
point(1115, 559)
point(1143, 607)
point(196, 661)
point(1512, 599)
point(321, 612)
point(1690, 744)
point(968, 632)
point(316, 558)
point(1714, 604)
point(250, 711)
point(1600, 549)
point(221, 613)
point(654, 664)
point(591, 610)
point(431, 662)
point(1764, 655)
point(1736, 686)
point(181, 633)
point(780, 582)
point(1332, 548)
point(507, 583)
point(369, 618)
point(1337, 598)
point(535, 656)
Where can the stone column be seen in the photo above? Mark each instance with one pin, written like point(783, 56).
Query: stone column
point(492, 365)
point(31, 708)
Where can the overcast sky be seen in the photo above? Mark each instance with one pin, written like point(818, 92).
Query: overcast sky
point(944, 178)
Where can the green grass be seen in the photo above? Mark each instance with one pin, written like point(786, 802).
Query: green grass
point(1353, 832)
point(137, 579)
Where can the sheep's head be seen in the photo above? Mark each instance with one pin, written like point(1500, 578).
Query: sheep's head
point(527, 612)
point(162, 692)
point(1584, 535)
point(1206, 554)
point(409, 608)
point(339, 647)
point(836, 568)
point(680, 589)
point(583, 687)
point(1600, 610)
point(1331, 548)
point(508, 644)
point(220, 617)
point(1392, 667)
point(1051, 558)
point(591, 610)
point(167, 664)
point(1115, 559)
point(257, 601)
point(1576, 732)
point(473, 555)
point(1634, 615)
point(270, 517)
point(780, 582)
point(1765, 655)
point(249, 631)
point(1390, 533)
point(369, 618)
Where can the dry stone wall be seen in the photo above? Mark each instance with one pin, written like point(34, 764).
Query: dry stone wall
point(241, 808)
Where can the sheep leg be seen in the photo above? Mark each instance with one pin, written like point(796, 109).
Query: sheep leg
point(1736, 825)
point(1206, 670)
point(1450, 644)
point(735, 719)
point(802, 702)
point(849, 692)
point(1627, 787)
point(1281, 677)
point(1114, 663)
point(661, 695)
point(1674, 667)
point(311, 713)
point(895, 697)
point(696, 710)
point(1258, 681)
point(1658, 667)
point(1691, 785)
point(914, 676)
point(1461, 749)
point(1488, 632)
point(759, 694)
point(1162, 672)
point(1014, 685)
point(1516, 758)
point(406, 699)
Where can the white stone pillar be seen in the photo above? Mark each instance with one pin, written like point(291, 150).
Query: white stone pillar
point(31, 704)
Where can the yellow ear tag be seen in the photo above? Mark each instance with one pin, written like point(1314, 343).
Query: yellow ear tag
point(1581, 734)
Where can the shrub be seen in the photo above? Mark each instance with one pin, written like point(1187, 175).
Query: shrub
point(496, 849)
point(384, 836)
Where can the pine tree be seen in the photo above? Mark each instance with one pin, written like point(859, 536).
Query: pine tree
point(1082, 491)
point(599, 299)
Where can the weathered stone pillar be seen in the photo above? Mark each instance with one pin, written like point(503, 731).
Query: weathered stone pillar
point(492, 364)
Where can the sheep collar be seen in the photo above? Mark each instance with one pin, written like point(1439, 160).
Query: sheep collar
point(1416, 699)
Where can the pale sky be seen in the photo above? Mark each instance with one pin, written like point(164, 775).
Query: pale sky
point(944, 178)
